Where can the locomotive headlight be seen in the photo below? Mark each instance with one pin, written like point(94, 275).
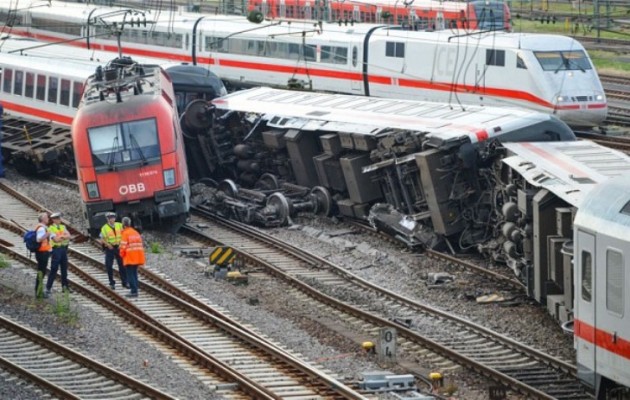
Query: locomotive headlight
point(92, 190)
point(562, 99)
point(599, 97)
point(169, 177)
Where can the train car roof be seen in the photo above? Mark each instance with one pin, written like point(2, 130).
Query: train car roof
point(371, 115)
point(570, 170)
point(607, 209)
point(331, 31)
point(51, 66)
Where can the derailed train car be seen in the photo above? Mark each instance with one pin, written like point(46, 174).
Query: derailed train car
point(505, 183)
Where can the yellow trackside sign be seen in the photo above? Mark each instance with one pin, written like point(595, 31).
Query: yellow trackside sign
point(222, 256)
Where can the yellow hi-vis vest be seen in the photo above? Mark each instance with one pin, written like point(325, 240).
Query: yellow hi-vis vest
point(112, 235)
point(58, 230)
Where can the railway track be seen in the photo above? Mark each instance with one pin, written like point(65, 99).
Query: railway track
point(62, 371)
point(614, 142)
point(180, 320)
point(517, 366)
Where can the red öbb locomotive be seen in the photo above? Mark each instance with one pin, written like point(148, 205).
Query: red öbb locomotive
point(129, 147)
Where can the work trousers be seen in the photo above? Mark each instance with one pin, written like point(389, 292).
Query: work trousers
point(59, 259)
point(42, 263)
point(110, 255)
point(132, 278)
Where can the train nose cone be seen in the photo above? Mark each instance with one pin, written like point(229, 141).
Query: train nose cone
point(592, 116)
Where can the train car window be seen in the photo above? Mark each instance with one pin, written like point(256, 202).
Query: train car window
point(520, 63)
point(626, 209)
point(395, 49)
point(77, 91)
point(64, 99)
point(8, 80)
point(355, 56)
point(310, 52)
point(52, 89)
point(614, 282)
point(495, 57)
point(341, 55)
point(123, 143)
point(587, 276)
point(29, 85)
point(294, 51)
point(19, 82)
point(563, 60)
point(187, 42)
point(41, 88)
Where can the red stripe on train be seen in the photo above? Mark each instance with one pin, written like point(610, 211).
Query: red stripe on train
point(38, 113)
point(356, 76)
point(602, 339)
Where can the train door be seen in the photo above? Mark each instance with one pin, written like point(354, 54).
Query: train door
point(283, 9)
point(585, 306)
point(356, 14)
point(440, 23)
point(356, 65)
point(308, 14)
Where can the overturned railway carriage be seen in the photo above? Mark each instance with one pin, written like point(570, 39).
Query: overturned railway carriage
point(129, 147)
point(505, 183)
point(602, 276)
point(548, 73)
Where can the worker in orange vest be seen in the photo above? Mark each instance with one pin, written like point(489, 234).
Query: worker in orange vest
point(132, 253)
point(42, 254)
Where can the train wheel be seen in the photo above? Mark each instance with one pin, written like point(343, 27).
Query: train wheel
point(323, 201)
point(280, 203)
point(267, 181)
point(209, 182)
point(228, 187)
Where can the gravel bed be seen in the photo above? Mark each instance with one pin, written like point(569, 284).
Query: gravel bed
point(391, 267)
point(300, 327)
point(95, 336)
point(15, 388)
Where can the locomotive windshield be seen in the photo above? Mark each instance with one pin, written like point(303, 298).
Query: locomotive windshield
point(563, 60)
point(125, 143)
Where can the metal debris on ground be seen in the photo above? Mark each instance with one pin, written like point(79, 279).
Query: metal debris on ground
point(412, 396)
point(191, 251)
point(386, 381)
point(439, 278)
point(490, 298)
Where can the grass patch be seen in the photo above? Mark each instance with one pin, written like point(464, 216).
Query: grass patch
point(156, 248)
point(63, 309)
point(605, 61)
point(4, 262)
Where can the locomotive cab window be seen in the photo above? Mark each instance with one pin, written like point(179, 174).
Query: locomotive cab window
point(587, 276)
point(563, 60)
point(495, 57)
point(614, 282)
point(626, 209)
point(8, 80)
point(125, 143)
point(520, 63)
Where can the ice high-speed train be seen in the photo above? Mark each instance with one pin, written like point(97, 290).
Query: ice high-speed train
point(548, 73)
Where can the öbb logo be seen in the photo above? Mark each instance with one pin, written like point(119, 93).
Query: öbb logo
point(131, 189)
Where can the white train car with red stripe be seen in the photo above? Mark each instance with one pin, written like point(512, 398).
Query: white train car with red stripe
point(506, 183)
point(566, 229)
point(602, 279)
point(547, 73)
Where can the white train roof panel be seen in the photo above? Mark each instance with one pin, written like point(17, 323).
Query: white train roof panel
point(607, 209)
point(568, 169)
point(369, 115)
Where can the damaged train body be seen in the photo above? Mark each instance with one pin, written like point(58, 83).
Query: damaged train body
point(434, 176)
